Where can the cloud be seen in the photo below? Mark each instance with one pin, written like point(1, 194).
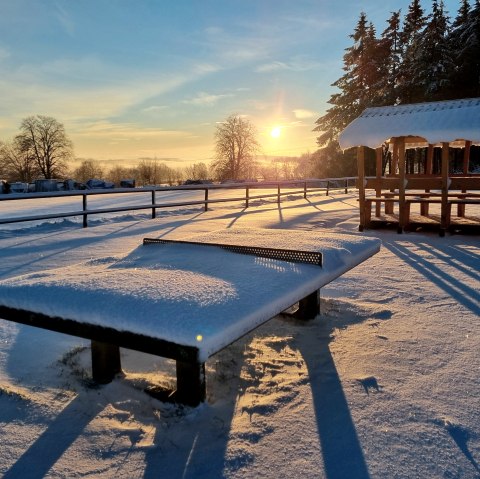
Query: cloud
point(65, 20)
point(84, 88)
point(270, 67)
point(125, 131)
point(155, 108)
point(296, 64)
point(302, 114)
point(205, 68)
point(4, 53)
point(206, 99)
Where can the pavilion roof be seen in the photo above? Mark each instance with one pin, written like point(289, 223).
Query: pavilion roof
point(420, 123)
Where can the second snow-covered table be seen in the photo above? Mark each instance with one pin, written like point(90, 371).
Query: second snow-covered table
point(182, 300)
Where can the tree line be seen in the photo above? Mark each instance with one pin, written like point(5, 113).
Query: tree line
point(42, 149)
point(422, 57)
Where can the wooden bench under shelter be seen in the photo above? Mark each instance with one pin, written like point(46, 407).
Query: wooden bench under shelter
point(183, 299)
point(391, 131)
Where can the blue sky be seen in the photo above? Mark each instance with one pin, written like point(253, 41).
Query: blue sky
point(134, 79)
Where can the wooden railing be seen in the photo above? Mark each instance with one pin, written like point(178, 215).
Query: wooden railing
point(288, 187)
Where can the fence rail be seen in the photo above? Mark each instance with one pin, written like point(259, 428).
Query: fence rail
point(308, 186)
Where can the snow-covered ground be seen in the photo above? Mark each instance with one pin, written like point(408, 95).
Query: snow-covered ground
point(383, 384)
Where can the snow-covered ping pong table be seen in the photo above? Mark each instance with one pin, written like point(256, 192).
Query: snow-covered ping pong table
point(182, 300)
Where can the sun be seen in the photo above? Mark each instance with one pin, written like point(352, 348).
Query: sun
point(276, 132)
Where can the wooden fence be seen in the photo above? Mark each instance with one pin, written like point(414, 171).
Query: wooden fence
point(281, 188)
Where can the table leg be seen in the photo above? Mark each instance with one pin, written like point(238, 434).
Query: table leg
point(191, 386)
point(105, 362)
point(309, 307)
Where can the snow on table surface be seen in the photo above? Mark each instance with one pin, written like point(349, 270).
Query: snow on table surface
point(191, 295)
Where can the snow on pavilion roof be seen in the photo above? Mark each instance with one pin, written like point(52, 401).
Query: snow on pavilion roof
point(436, 122)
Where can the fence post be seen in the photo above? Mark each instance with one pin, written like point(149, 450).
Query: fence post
point(154, 211)
point(206, 199)
point(84, 203)
point(305, 190)
point(278, 193)
point(247, 196)
point(328, 185)
point(346, 185)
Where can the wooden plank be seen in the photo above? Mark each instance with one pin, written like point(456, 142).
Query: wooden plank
point(424, 183)
point(401, 190)
point(429, 165)
point(444, 215)
point(466, 156)
point(465, 183)
point(378, 169)
point(361, 185)
point(389, 183)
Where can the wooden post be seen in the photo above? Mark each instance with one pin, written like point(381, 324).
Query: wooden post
point(445, 183)
point(305, 190)
point(429, 166)
point(154, 211)
point(85, 216)
point(466, 161)
point(394, 158)
point(361, 186)
point(191, 387)
point(402, 212)
point(247, 197)
point(278, 193)
point(466, 156)
point(394, 163)
point(206, 199)
point(378, 170)
point(105, 362)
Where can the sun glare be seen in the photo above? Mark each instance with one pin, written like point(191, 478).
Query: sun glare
point(275, 133)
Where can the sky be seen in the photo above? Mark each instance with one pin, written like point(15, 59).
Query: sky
point(152, 79)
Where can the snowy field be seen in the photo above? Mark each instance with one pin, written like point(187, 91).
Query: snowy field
point(383, 384)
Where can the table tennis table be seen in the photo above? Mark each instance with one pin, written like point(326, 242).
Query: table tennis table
point(184, 299)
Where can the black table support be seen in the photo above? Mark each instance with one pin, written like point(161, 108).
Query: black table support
point(105, 362)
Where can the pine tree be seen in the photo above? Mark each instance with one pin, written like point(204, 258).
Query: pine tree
point(356, 85)
point(409, 89)
point(467, 78)
point(389, 61)
point(434, 63)
point(458, 86)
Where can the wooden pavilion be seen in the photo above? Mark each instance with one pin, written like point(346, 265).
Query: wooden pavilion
point(445, 125)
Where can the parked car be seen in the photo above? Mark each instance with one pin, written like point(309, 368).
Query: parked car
point(43, 185)
point(19, 187)
point(127, 183)
point(99, 184)
point(197, 182)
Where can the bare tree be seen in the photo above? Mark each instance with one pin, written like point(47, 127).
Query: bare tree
point(16, 164)
point(119, 173)
point(87, 170)
point(152, 172)
point(43, 139)
point(197, 171)
point(236, 146)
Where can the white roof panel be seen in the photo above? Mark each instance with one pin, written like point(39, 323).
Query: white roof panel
point(444, 121)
